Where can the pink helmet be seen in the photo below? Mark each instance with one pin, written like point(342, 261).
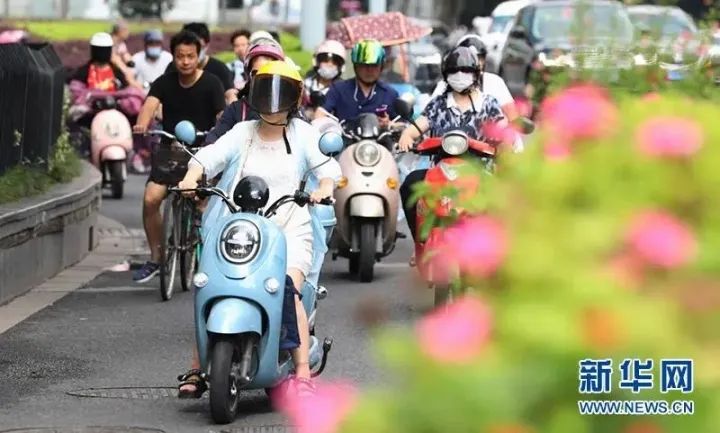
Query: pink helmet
point(273, 51)
point(330, 48)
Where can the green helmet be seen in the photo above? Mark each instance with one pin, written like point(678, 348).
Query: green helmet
point(368, 52)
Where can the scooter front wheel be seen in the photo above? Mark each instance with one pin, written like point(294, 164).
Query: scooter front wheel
point(366, 259)
point(117, 183)
point(168, 265)
point(224, 389)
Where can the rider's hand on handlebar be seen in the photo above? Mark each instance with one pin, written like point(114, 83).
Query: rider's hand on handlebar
point(140, 129)
point(317, 196)
point(384, 121)
point(188, 184)
point(405, 143)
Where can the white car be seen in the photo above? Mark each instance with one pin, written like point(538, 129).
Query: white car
point(271, 13)
point(502, 18)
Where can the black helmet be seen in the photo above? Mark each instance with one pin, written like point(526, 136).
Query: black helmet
point(460, 59)
point(474, 41)
point(251, 194)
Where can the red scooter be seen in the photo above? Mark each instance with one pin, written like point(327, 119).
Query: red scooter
point(448, 154)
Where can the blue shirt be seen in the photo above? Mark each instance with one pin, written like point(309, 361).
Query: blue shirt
point(347, 101)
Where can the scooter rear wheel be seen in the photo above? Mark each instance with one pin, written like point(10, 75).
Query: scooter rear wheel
point(224, 389)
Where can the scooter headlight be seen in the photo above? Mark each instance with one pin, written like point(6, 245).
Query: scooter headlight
point(455, 144)
point(240, 242)
point(367, 154)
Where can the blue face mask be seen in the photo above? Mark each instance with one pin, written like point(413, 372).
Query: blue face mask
point(203, 55)
point(153, 52)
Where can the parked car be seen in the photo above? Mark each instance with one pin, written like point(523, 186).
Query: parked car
point(544, 31)
point(501, 22)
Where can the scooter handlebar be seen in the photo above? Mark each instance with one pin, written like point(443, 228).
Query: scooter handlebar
point(161, 133)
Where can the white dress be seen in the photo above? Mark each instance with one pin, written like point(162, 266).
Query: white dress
point(281, 171)
point(270, 161)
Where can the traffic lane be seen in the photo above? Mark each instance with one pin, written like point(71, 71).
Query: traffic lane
point(112, 334)
point(128, 210)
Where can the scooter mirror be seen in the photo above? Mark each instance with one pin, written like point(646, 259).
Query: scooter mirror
point(185, 131)
point(331, 143)
point(251, 194)
point(403, 108)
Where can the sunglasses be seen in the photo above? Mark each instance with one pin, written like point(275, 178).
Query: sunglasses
point(466, 69)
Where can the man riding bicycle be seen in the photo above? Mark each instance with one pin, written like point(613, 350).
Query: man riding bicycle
point(188, 93)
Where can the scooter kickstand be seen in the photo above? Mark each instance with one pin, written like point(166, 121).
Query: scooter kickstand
point(327, 345)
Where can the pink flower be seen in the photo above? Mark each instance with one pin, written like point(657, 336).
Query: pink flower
point(660, 239)
point(498, 133)
point(669, 136)
point(321, 413)
point(458, 333)
point(650, 97)
point(580, 112)
point(524, 107)
point(477, 245)
point(557, 150)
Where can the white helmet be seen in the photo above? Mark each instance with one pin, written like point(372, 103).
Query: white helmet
point(331, 48)
point(260, 34)
point(101, 39)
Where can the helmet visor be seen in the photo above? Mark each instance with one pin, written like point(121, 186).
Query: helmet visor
point(270, 94)
point(329, 57)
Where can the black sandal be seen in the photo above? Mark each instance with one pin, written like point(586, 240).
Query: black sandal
point(196, 378)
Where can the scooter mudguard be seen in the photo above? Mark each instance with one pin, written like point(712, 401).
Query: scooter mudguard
point(234, 316)
point(367, 206)
point(113, 153)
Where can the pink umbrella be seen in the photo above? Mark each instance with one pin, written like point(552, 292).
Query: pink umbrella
point(391, 28)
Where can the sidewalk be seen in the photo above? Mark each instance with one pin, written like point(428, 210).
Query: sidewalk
point(116, 246)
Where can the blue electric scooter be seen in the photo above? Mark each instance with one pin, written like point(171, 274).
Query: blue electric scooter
point(240, 291)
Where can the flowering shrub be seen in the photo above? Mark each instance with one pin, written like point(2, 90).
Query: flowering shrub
point(610, 252)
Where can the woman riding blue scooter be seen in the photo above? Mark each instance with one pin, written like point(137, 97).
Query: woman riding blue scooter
point(274, 149)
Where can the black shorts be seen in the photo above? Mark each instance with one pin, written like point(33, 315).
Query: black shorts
point(169, 164)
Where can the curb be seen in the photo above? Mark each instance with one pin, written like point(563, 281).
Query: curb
point(111, 250)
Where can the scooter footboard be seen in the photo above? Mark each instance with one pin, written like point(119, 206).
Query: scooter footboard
point(234, 316)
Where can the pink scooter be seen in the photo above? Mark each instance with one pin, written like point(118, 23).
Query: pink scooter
point(111, 141)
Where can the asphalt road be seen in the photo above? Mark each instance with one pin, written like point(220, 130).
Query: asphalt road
point(108, 354)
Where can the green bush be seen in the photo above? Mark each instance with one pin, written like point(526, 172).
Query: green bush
point(27, 180)
point(292, 47)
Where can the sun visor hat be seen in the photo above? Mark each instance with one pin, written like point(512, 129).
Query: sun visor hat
point(276, 88)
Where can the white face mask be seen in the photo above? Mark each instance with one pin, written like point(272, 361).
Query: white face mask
point(203, 54)
point(461, 81)
point(328, 72)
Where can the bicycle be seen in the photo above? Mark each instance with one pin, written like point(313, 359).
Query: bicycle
point(181, 233)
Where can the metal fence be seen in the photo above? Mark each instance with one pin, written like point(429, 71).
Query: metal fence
point(32, 81)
